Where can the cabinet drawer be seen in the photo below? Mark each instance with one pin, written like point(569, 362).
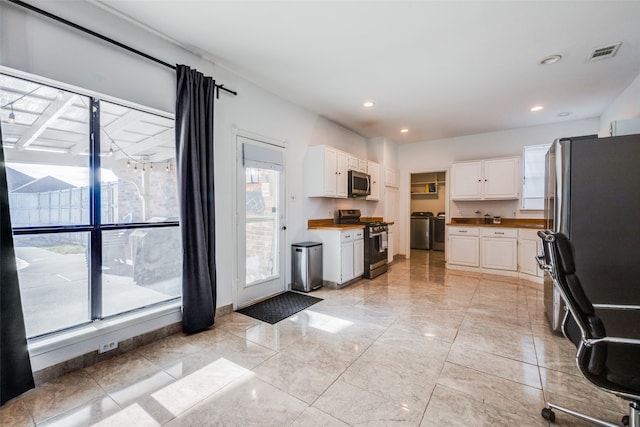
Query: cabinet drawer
point(358, 234)
point(347, 236)
point(464, 231)
point(511, 233)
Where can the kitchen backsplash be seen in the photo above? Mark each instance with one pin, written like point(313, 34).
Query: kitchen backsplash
point(503, 208)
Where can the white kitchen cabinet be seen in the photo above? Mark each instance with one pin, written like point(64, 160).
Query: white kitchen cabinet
point(491, 179)
point(391, 178)
point(464, 246)
point(342, 254)
point(326, 172)
point(499, 248)
point(373, 169)
point(357, 164)
point(358, 255)
point(528, 249)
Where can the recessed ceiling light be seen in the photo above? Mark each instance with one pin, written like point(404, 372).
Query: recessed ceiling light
point(564, 114)
point(404, 130)
point(550, 60)
point(368, 104)
point(536, 108)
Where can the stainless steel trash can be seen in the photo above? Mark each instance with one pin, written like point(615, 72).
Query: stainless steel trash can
point(306, 266)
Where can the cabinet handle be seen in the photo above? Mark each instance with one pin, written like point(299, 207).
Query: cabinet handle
point(499, 232)
point(347, 236)
point(462, 231)
point(485, 180)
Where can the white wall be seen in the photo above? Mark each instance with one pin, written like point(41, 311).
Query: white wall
point(33, 44)
point(625, 106)
point(438, 155)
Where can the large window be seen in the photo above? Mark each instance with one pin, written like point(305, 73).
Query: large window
point(533, 176)
point(93, 202)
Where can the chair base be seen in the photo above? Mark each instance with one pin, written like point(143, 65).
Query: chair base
point(631, 420)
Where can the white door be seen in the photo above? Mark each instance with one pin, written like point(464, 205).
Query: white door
point(260, 213)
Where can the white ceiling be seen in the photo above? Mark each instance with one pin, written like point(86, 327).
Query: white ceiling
point(439, 68)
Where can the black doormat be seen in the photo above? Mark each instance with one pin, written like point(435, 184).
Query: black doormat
point(280, 307)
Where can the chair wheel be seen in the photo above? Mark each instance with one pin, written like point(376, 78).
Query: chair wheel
point(548, 415)
point(625, 420)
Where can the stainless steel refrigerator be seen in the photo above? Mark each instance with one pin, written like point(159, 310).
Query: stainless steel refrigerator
point(592, 194)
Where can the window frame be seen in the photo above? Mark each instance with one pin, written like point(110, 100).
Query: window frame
point(94, 227)
point(524, 176)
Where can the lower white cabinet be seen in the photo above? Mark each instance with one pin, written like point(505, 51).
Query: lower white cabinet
point(390, 244)
point(528, 248)
point(496, 250)
point(342, 254)
point(500, 248)
point(464, 246)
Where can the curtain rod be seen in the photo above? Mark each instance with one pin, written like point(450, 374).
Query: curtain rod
point(107, 39)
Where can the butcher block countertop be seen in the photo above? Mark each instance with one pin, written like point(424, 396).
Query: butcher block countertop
point(327, 224)
point(505, 222)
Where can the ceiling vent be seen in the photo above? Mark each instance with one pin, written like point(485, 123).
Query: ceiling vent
point(604, 52)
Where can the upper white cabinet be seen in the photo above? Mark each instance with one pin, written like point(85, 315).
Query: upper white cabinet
point(373, 169)
point(391, 178)
point(357, 164)
point(492, 179)
point(326, 172)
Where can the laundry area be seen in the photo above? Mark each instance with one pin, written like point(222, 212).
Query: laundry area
point(428, 213)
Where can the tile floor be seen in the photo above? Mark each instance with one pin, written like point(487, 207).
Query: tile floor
point(419, 346)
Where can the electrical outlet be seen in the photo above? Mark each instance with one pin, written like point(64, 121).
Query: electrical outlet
point(107, 346)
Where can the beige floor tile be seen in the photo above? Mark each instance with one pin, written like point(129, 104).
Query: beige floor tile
point(359, 407)
point(506, 342)
point(116, 373)
point(511, 396)
point(84, 415)
point(403, 386)
point(15, 414)
point(509, 369)
point(448, 407)
point(247, 401)
point(58, 396)
point(305, 379)
point(312, 417)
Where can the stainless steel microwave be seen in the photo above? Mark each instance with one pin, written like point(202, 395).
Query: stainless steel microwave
point(359, 184)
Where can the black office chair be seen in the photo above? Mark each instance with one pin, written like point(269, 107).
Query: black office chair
point(610, 363)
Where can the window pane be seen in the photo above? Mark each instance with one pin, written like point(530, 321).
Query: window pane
point(46, 140)
point(140, 267)
point(53, 274)
point(262, 224)
point(138, 176)
point(533, 176)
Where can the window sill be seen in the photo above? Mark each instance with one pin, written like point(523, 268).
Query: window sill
point(50, 350)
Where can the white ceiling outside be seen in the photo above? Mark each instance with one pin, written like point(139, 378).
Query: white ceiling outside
point(439, 68)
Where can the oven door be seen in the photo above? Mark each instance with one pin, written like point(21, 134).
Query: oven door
point(378, 245)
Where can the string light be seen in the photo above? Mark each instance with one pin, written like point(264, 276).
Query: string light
point(168, 168)
point(143, 167)
point(151, 167)
point(135, 168)
point(128, 163)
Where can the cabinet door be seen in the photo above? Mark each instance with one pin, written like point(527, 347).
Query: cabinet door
point(501, 178)
point(374, 170)
point(342, 170)
point(346, 255)
point(464, 250)
point(500, 254)
point(330, 171)
point(358, 258)
point(527, 251)
point(466, 182)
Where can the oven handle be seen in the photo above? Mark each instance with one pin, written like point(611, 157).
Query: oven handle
point(377, 234)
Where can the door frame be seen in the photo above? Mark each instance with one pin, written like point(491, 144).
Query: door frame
point(276, 143)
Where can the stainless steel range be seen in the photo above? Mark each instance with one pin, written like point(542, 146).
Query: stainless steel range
point(375, 241)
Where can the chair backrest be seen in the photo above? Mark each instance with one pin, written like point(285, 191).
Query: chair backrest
point(581, 322)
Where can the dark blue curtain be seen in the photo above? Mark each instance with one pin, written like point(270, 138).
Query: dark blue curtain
point(15, 366)
point(194, 153)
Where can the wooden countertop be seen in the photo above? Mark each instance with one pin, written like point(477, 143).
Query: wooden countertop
point(327, 224)
point(537, 224)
